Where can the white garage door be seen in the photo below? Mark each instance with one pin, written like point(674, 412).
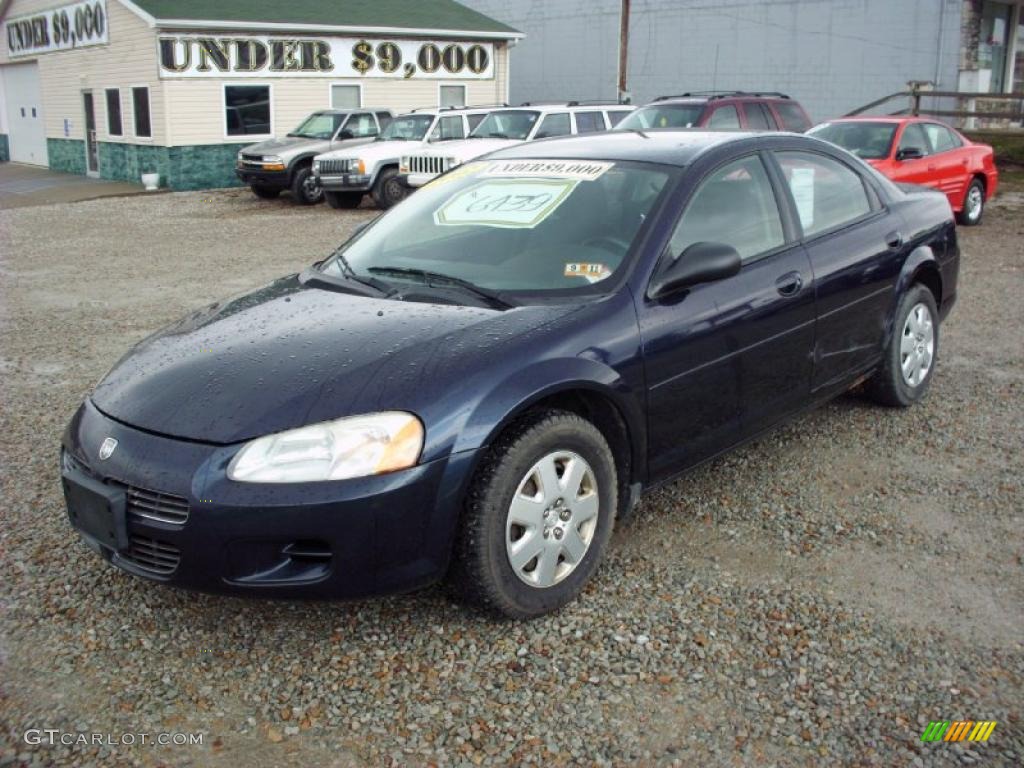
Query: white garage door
point(25, 113)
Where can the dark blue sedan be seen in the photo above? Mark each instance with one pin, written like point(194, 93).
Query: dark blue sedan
point(477, 385)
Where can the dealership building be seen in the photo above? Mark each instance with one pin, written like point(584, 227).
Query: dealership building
point(117, 88)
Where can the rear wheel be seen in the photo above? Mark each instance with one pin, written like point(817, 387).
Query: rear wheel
point(344, 200)
point(910, 355)
point(537, 517)
point(388, 190)
point(265, 193)
point(974, 204)
point(305, 188)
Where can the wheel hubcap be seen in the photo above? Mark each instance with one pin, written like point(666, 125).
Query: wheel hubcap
point(974, 202)
point(552, 519)
point(917, 345)
point(311, 188)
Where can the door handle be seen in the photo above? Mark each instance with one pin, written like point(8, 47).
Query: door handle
point(894, 239)
point(789, 284)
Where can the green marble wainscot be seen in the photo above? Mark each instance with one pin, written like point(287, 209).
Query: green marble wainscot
point(66, 155)
point(5, 148)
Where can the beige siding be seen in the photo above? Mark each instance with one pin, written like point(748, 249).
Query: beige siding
point(196, 106)
point(129, 60)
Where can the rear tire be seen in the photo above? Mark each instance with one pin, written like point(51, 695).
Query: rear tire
point(911, 354)
point(537, 517)
point(344, 200)
point(265, 193)
point(388, 190)
point(305, 188)
point(974, 204)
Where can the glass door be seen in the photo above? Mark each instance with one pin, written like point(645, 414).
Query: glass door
point(92, 155)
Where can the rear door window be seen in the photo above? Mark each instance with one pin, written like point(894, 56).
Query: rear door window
point(826, 193)
point(615, 116)
point(361, 125)
point(724, 117)
point(450, 127)
point(555, 124)
point(793, 118)
point(757, 118)
point(589, 122)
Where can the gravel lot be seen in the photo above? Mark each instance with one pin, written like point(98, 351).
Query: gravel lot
point(814, 598)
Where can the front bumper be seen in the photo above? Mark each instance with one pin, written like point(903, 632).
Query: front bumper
point(346, 182)
point(261, 178)
point(341, 539)
point(416, 180)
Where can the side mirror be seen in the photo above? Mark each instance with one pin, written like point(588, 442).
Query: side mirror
point(909, 153)
point(700, 263)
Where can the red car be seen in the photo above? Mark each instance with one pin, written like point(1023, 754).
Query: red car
point(917, 150)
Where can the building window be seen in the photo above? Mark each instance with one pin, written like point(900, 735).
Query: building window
point(247, 110)
point(114, 112)
point(453, 96)
point(140, 109)
point(346, 97)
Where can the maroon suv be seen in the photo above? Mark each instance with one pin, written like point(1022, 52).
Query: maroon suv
point(726, 110)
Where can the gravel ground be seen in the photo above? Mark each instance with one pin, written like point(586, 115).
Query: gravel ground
point(814, 598)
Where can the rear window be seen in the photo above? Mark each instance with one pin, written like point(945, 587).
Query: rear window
point(793, 118)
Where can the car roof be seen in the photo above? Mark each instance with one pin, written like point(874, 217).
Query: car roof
point(894, 119)
point(567, 106)
point(704, 97)
point(669, 147)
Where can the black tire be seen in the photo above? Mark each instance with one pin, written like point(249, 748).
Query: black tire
point(970, 215)
point(481, 571)
point(388, 190)
point(305, 189)
point(344, 200)
point(265, 193)
point(889, 386)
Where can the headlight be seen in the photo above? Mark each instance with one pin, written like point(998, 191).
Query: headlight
point(403, 164)
point(272, 159)
point(453, 162)
point(356, 446)
point(316, 167)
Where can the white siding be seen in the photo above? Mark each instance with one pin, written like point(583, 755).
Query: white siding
point(129, 60)
point(196, 107)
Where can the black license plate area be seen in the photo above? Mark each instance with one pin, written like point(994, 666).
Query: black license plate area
point(96, 509)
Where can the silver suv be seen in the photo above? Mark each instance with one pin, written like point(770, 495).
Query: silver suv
point(278, 164)
point(347, 174)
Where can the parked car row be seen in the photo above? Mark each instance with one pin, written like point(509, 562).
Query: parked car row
point(343, 155)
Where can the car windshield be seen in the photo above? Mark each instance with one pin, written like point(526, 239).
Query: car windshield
point(662, 116)
point(407, 128)
point(506, 125)
point(319, 125)
point(546, 226)
point(865, 139)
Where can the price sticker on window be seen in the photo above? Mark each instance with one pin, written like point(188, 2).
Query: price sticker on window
point(505, 203)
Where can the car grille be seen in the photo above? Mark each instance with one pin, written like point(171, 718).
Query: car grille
point(429, 164)
point(152, 556)
point(335, 166)
point(141, 503)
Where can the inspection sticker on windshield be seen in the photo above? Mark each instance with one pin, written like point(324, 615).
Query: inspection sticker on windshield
point(508, 203)
point(579, 170)
point(594, 273)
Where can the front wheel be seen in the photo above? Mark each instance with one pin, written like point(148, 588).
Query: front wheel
point(537, 517)
point(974, 204)
point(388, 190)
point(910, 355)
point(344, 200)
point(305, 188)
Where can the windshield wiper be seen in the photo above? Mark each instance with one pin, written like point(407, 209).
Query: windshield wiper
point(371, 282)
point(493, 298)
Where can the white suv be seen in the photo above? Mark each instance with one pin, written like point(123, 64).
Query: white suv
point(346, 175)
point(507, 127)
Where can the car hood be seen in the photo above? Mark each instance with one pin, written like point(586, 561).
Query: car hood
point(278, 145)
point(469, 148)
point(289, 355)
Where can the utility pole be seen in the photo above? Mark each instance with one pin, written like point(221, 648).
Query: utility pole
point(624, 94)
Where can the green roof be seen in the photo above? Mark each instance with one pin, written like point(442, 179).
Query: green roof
point(400, 14)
